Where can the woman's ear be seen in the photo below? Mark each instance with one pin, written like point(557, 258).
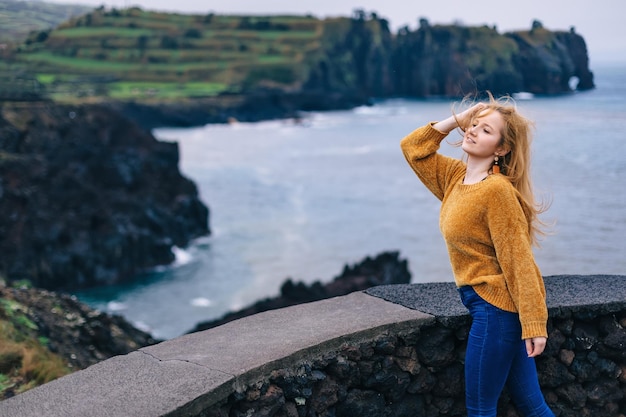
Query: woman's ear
point(502, 151)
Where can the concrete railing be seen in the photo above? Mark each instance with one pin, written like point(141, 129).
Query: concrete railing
point(389, 351)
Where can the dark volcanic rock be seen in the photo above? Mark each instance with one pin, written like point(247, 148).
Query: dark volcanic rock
point(386, 268)
point(88, 198)
point(549, 60)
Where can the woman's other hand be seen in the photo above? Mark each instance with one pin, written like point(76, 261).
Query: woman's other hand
point(535, 346)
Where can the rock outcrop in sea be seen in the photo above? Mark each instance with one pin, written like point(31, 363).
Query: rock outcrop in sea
point(386, 268)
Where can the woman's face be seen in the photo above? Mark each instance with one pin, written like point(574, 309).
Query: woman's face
point(482, 138)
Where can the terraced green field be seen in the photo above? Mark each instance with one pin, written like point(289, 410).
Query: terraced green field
point(137, 54)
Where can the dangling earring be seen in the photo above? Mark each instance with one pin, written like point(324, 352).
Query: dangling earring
point(496, 165)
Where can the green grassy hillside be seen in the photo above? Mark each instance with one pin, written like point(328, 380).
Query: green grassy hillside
point(152, 57)
point(134, 53)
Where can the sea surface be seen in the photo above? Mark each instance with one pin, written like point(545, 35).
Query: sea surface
point(300, 199)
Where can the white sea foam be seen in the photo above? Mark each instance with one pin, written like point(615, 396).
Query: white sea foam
point(523, 95)
point(143, 326)
point(113, 306)
point(201, 302)
point(183, 256)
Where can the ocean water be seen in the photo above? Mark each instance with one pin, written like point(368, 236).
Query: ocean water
point(301, 200)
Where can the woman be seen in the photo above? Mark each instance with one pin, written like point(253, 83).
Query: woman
point(489, 221)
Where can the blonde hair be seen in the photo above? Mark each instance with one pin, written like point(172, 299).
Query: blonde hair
point(516, 137)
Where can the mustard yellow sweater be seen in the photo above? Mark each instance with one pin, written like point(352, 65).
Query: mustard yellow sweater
point(486, 232)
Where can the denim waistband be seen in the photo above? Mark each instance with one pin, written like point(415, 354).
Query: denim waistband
point(466, 291)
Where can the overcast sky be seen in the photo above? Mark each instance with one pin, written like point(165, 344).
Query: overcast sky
point(600, 22)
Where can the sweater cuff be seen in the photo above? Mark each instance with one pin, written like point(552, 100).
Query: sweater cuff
point(534, 329)
point(432, 125)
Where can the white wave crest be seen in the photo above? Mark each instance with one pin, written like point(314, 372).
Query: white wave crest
point(182, 257)
point(115, 306)
point(201, 302)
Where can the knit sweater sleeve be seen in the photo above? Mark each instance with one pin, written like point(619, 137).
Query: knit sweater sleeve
point(434, 170)
point(509, 229)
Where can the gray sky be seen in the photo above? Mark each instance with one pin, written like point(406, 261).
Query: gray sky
point(600, 22)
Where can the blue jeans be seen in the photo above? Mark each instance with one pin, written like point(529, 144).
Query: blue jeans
point(496, 356)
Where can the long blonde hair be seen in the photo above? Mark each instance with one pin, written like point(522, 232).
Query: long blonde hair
point(516, 136)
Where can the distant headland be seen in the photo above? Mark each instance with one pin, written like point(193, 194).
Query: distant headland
point(166, 69)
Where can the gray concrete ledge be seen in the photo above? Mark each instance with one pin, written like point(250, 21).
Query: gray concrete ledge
point(607, 292)
point(185, 375)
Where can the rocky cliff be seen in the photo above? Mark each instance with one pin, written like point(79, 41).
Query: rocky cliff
point(365, 60)
point(88, 198)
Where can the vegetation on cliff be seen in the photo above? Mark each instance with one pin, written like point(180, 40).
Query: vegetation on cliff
point(45, 335)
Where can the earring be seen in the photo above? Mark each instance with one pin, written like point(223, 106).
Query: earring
point(496, 165)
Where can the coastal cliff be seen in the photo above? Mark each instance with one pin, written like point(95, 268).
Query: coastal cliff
point(456, 61)
point(88, 197)
point(362, 58)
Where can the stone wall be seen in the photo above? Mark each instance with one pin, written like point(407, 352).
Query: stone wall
point(394, 350)
point(582, 373)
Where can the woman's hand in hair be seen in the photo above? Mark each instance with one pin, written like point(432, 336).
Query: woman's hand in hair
point(461, 120)
point(465, 118)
